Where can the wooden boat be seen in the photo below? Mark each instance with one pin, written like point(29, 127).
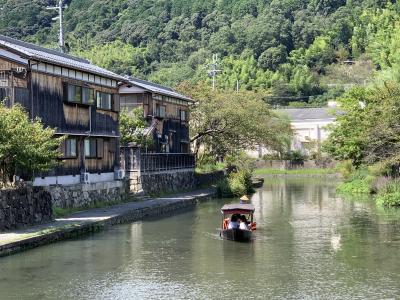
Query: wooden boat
point(236, 234)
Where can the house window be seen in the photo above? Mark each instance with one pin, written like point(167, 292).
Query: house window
point(78, 94)
point(70, 148)
point(87, 96)
point(104, 100)
point(90, 148)
point(160, 111)
point(74, 93)
point(183, 115)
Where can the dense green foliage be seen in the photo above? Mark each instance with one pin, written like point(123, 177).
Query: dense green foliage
point(131, 126)
point(389, 195)
point(368, 131)
point(236, 184)
point(359, 181)
point(287, 49)
point(24, 145)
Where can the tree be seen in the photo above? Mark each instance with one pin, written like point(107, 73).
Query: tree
point(368, 131)
point(347, 135)
point(272, 57)
point(132, 125)
point(226, 121)
point(25, 145)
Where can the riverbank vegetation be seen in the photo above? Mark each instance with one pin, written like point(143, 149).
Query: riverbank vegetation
point(240, 168)
point(367, 135)
point(25, 145)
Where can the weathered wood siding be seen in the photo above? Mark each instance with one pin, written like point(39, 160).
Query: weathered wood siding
point(46, 93)
point(67, 117)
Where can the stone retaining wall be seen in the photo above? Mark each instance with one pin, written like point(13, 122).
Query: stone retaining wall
point(208, 179)
point(168, 181)
point(24, 206)
point(85, 195)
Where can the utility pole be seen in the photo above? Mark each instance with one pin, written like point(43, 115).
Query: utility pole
point(214, 70)
point(60, 7)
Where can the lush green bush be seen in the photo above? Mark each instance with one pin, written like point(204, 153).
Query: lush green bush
point(380, 169)
point(345, 168)
point(207, 163)
point(237, 184)
point(360, 181)
point(389, 195)
point(296, 157)
point(240, 161)
point(354, 187)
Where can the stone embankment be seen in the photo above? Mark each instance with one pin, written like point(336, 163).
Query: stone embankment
point(24, 206)
point(98, 219)
point(86, 195)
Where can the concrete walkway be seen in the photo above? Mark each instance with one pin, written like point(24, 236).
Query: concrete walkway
point(97, 219)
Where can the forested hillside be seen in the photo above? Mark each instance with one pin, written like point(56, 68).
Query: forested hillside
point(291, 50)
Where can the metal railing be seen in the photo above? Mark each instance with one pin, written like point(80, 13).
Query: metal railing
point(155, 162)
point(133, 160)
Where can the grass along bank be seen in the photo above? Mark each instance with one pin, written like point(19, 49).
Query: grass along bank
point(374, 180)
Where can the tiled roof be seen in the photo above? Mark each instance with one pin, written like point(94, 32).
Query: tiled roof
point(31, 51)
point(157, 88)
point(301, 114)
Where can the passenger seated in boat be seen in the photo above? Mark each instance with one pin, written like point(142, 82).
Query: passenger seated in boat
point(243, 223)
point(233, 224)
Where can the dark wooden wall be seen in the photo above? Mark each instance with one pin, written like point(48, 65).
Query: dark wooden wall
point(51, 107)
point(75, 120)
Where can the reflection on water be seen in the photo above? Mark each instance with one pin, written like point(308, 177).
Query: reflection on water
point(309, 243)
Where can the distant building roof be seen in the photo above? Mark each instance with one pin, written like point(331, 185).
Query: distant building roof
point(303, 114)
point(31, 51)
point(157, 88)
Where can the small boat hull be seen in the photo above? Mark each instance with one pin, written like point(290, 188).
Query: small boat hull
point(237, 235)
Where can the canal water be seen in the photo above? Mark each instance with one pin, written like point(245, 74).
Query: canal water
point(310, 244)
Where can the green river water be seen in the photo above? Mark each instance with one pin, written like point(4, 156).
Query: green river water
point(310, 244)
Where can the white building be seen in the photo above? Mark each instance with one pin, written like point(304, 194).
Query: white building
point(309, 128)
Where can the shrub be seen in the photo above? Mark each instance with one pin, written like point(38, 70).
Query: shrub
point(354, 187)
point(240, 161)
point(295, 157)
point(389, 195)
point(379, 169)
point(345, 168)
point(237, 184)
point(207, 163)
point(360, 181)
point(223, 188)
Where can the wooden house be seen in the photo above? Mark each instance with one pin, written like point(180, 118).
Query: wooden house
point(72, 95)
point(166, 110)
